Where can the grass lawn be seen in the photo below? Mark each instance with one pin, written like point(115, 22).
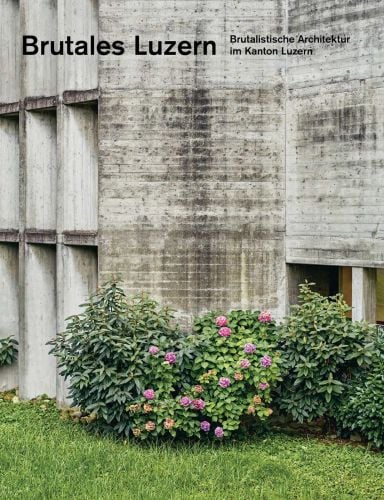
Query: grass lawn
point(44, 457)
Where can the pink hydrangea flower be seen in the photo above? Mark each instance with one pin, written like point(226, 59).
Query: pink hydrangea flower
point(225, 331)
point(265, 317)
point(170, 358)
point(219, 432)
point(198, 388)
point(245, 363)
point(198, 404)
point(249, 348)
point(224, 382)
point(185, 401)
point(263, 386)
point(153, 350)
point(205, 426)
point(149, 394)
point(266, 361)
point(221, 321)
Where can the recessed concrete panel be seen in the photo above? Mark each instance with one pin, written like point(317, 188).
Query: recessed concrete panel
point(9, 172)
point(9, 307)
point(40, 19)
point(77, 277)
point(39, 373)
point(9, 51)
point(80, 168)
point(41, 167)
point(78, 19)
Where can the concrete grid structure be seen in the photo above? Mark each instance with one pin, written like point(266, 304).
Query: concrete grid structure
point(212, 182)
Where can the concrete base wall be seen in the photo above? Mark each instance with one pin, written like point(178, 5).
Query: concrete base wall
point(9, 307)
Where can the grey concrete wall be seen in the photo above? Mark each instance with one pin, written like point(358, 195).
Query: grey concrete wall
point(335, 137)
point(9, 307)
point(9, 51)
point(192, 158)
point(9, 172)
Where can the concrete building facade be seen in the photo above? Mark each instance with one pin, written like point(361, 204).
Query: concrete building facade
point(213, 182)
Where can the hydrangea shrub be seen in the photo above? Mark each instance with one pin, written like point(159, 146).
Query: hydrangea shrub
point(235, 369)
point(131, 367)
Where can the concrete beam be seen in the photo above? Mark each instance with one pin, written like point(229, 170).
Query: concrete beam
point(364, 294)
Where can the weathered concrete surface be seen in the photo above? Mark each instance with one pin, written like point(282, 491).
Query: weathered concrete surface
point(335, 137)
point(9, 307)
point(192, 159)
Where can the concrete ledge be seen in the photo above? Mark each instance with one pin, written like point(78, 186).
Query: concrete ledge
point(32, 103)
point(10, 108)
point(80, 238)
point(40, 236)
point(80, 96)
point(9, 235)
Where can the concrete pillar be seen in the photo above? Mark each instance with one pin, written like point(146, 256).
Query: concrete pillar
point(9, 51)
point(9, 172)
point(363, 294)
point(9, 307)
point(41, 169)
point(78, 19)
point(77, 279)
point(38, 373)
point(39, 18)
point(80, 168)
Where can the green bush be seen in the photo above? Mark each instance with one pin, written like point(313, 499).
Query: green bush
point(321, 349)
point(130, 366)
point(8, 351)
point(362, 407)
point(104, 354)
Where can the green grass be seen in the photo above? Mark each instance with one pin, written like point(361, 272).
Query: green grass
point(43, 457)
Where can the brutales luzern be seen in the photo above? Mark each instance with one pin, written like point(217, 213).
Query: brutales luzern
point(33, 46)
